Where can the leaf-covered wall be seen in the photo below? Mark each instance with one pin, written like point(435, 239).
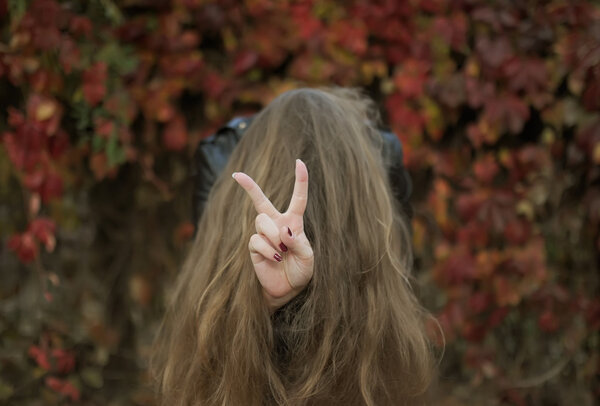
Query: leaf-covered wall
point(497, 104)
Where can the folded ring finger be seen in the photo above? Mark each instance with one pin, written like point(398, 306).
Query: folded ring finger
point(260, 248)
point(267, 227)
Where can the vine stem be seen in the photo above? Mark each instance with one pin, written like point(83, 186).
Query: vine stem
point(542, 378)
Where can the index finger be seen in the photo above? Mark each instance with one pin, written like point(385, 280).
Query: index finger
point(261, 203)
point(300, 194)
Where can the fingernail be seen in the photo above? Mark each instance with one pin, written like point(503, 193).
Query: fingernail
point(283, 247)
point(289, 232)
point(233, 175)
point(278, 257)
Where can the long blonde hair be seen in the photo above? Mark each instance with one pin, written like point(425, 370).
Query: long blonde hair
point(355, 335)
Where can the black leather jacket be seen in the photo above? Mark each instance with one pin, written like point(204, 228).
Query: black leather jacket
point(213, 152)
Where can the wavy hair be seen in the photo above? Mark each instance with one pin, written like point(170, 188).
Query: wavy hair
point(355, 335)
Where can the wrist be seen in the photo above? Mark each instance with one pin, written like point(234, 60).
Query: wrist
point(274, 303)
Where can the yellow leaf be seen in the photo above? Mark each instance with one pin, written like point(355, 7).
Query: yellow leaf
point(373, 69)
point(434, 118)
point(229, 40)
point(575, 84)
point(387, 86)
point(525, 208)
point(38, 372)
point(45, 110)
point(419, 236)
point(596, 153)
point(472, 68)
point(548, 136)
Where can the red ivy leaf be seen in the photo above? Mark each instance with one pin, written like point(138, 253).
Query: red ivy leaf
point(307, 25)
point(548, 321)
point(94, 79)
point(517, 231)
point(403, 115)
point(411, 77)
point(509, 109)
point(474, 331)
point(64, 360)
point(478, 92)
point(45, 182)
point(351, 35)
point(486, 169)
point(452, 29)
point(63, 387)
point(104, 127)
point(592, 315)
point(52, 187)
point(43, 20)
point(458, 268)
point(497, 317)
point(39, 356)
point(591, 95)
point(214, 84)
point(80, 26)
point(99, 166)
point(175, 135)
point(69, 55)
point(479, 301)
point(25, 246)
point(3, 9)
point(451, 317)
point(468, 205)
point(243, 61)
point(183, 232)
point(474, 233)
point(45, 81)
point(494, 52)
point(506, 292)
point(44, 114)
point(43, 229)
point(530, 74)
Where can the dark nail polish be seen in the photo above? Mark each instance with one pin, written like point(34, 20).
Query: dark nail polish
point(289, 232)
point(283, 247)
point(278, 257)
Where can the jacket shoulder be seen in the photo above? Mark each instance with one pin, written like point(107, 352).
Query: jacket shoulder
point(211, 156)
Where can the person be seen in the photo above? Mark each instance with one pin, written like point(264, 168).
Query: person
point(297, 287)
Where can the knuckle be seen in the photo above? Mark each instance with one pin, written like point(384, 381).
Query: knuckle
point(253, 240)
point(257, 221)
point(300, 194)
point(266, 240)
point(262, 217)
point(266, 226)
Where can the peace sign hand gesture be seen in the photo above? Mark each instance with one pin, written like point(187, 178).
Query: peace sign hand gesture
point(281, 254)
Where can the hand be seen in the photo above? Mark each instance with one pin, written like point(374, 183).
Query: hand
point(281, 254)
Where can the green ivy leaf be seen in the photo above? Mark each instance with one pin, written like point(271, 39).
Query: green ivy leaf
point(16, 9)
point(121, 58)
point(112, 12)
point(81, 113)
point(114, 152)
point(98, 143)
point(6, 390)
point(92, 377)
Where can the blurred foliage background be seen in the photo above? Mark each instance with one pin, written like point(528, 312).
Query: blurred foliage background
point(497, 103)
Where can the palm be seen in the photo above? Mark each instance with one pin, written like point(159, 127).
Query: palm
point(285, 277)
point(279, 278)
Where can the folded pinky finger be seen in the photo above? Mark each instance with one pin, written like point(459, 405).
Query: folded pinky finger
point(261, 249)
